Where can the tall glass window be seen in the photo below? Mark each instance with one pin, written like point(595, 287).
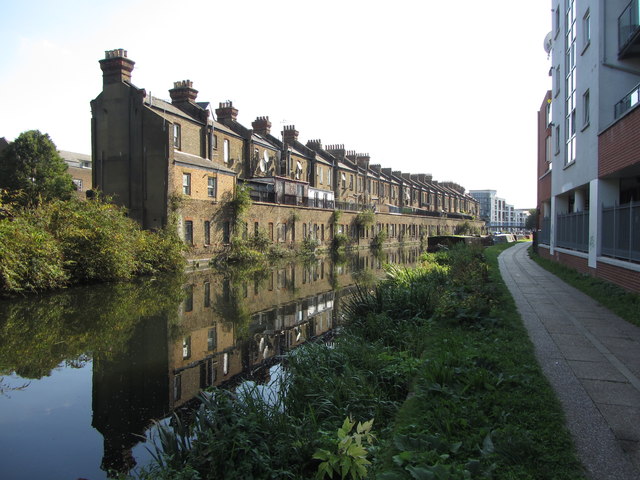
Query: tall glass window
point(570, 82)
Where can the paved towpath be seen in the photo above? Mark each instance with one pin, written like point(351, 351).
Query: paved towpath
point(591, 358)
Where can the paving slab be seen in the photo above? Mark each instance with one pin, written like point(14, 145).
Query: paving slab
point(591, 357)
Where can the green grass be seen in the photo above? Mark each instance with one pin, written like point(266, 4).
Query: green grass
point(623, 303)
point(480, 406)
point(437, 356)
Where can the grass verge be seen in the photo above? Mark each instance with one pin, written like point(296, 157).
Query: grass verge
point(623, 303)
point(436, 356)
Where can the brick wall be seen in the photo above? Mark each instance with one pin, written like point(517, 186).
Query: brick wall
point(619, 145)
point(623, 277)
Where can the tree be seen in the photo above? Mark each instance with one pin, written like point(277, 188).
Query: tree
point(33, 166)
point(531, 223)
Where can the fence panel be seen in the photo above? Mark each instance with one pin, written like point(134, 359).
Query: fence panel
point(621, 231)
point(572, 231)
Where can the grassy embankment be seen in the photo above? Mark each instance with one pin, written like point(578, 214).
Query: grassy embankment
point(623, 303)
point(436, 356)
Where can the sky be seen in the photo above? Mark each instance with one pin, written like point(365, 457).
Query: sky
point(450, 88)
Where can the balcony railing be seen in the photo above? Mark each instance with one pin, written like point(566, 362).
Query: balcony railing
point(628, 28)
point(629, 101)
point(572, 231)
point(621, 231)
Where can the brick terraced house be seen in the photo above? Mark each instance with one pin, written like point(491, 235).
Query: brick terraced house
point(181, 160)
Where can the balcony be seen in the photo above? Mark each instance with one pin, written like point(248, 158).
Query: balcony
point(629, 101)
point(629, 31)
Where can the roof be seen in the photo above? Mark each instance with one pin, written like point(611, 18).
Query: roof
point(260, 140)
point(197, 161)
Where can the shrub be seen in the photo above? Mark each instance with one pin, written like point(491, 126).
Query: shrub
point(340, 240)
point(97, 240)
point(30, 258)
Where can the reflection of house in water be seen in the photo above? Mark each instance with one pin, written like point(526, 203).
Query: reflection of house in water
point(226, 330)
point(129, 391)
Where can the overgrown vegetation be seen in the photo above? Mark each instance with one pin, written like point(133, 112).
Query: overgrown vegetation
point(61, 242)
point(623, 303)
point(436, 356)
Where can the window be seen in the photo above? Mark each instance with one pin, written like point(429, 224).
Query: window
point(215, 142)
point(212, 187)
point(176, 136)
point(186, 347)
point(585, 109)
point(557, 135)
point(558, 81)
point(207, 233)
point(320, 179)
point(186, 183)
point(212, 339)
point(226, 151)
point(570, 83)
point(344, 180)
point(226, 232)
point(350, 182)
point(256, 229)
point(271, 231)
point(329, 177)
point(188, 298)
point(586, 30)
point(188, 232)
point(207, 294)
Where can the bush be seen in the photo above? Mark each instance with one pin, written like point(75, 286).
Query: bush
point(30, 258)
point(340, 240)
point(68, 241)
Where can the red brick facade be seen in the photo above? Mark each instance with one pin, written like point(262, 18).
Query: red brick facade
point(623, 277)
point(619, 145)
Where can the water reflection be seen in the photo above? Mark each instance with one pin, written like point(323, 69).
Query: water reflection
point(155, 344)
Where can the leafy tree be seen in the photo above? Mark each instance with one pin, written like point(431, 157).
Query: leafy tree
point(32, 165)
point(531, 223)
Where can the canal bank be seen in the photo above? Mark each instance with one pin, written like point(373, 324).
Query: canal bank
point(88, 370)
point(435, 358)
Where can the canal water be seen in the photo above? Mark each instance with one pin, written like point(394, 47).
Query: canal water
point(86, 373)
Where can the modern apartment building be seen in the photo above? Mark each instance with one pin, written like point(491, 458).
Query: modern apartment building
point(589, 156)
point(497, 213)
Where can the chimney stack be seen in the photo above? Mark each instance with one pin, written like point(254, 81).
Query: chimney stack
point(289, 134)
point(261, 126)
point(315, 145)
point(226, 112)
point(362, 160)
point(183, 92)
point(337, 151)
point(116, 67)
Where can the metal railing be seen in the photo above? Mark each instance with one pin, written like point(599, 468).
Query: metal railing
point(572, 231)
point(356, 207)
point(621, 231)
point(629, 101)
point(628, 24)
point(545, 231)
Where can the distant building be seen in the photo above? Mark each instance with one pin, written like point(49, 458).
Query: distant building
point(79, 167)
point(498, 214)
point(588, 130)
